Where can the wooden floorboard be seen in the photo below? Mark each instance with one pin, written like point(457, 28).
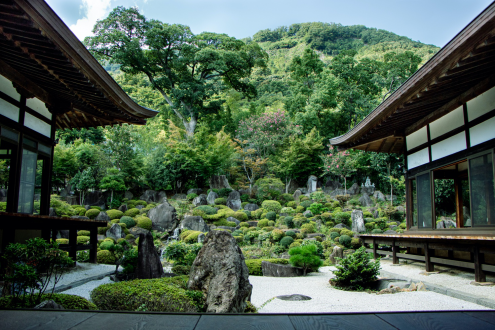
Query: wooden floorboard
point(485, 316)
point(437, 321)
point(358, 322)
point(13, 320)
point(244, 322)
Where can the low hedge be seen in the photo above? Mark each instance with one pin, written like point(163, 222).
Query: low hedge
point(254, 265)
point(68, 301)
point(115, 214)
point(132, 212)
point(105, 257)
point(168, 294)
point(92, 213)
point(82, 239)
point(128, 221)
point(144, 222)
point(62, 241)
point(83, 233)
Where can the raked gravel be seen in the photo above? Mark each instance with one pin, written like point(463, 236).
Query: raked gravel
point(85, 289)
point(326, 299)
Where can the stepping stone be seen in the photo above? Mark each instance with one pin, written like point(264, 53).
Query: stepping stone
point(294, 297)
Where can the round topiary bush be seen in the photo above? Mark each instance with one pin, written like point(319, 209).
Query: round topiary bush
point(347, 232)
point(82, 239)
point(221, 201)
point(83, 233)
point(345, 241)
point(131, 212)
point(288, 211)
point(107, 245)
point(62, 241)
point(204, 209)
point(129, 236)
point(128, 221)
point(145, 223)
point(356, 243)
point(306, 204)
point(92, 213)
point(300, 209)
point(290, 233)
point(241, 216)
point(263, 223)
point(181, 269)
point(276, 235)
point(376, 231)
point(271, 215)
point(289, 222)
point(334, 235)
point(308, 228)
point(115, 214)
point(286, 241)
point(270, 205)
point(292, 204)
point(192, 196)
point(102, 230)
point(271, 223)
point(244, 224)
point(105, 257)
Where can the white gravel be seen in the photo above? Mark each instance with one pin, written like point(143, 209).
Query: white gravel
point(84, 270)
point(326, 299)
point(455, 279)
point(85, 289)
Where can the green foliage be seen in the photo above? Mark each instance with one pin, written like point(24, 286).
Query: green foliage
point(130, 261)
point(345, 241)
point(224, 192)
point(182, 253)
point(92, 213)
point(159, 295)
point(254, 265)
point(342, 217)
point(334, 235)
point(144, 222)
point(317, 208)
point(115, 214)
point(107, 245)
point(319, 247)
point(306, 204)
point(241, 216)
point(270, 205)
point(263, 223)
point(377, 231)
point(286, 241)
point(83, 233)
point(308, 228)
point(128, 221)
point(204, 208)
point(276, 235)
point(290, 233)
point(32, 266)
point(289, 222)
point(181, 269)
point(271, 215)
point(131, 212)
point(292, 204)
point(357, 270)
point(305, 257)
point(68, 301)
point(221, 201)
point(82, 239)
point(105, 257)
point(191, 196)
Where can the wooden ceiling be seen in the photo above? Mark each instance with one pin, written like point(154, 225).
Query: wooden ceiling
point(462, 69)
point(43, 57)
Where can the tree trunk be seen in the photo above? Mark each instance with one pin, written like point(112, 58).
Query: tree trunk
point(287, 185)
point(345, 185)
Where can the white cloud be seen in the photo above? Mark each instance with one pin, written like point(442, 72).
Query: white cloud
point(93, 10)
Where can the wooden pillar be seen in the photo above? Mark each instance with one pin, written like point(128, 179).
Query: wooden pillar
point(395, 248)
point(375, 254)
point(93, 241)
point(429, 267)
point(45, 234)
point(458, 202)
point(479, 274)
point(73, 244)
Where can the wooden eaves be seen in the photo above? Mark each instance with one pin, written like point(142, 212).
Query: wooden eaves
point(43, 58)
point(462, 69)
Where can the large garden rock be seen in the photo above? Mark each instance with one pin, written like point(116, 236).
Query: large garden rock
point(3, 195)
point(219, 182)
point(137, 230)
point(179, 196)
point(353, 190)
point(234, 201)
point(201, 238)
point(62, 234)
point(196, 191)
point(357, 221)
point(297, 195)
point(210, 199)
point(96, 198)
point(278, 270)
point(446, 224)
point(312, 184)
point(232, 219)
point(122, 208)
point(365, 200)
point(338, 191)
point(200, 200)
point(336, 253)
point(153, 196)
point(341, 225)
point(48, 304)
point(220, 272)
point(378, 195)
point(390, 232)
point(149, 264)
point(51, 212)
point(308, 214)
point(194, 223)
point(162, 197)
point(163, 217)
point(251, 207)
point(315, 235)
point(115, 232)
point(128, 195)
point(80, 217)
point(331, 185)
point(391, 198)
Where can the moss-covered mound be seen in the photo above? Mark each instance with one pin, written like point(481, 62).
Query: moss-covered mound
point(158, 295)
point(69, 301)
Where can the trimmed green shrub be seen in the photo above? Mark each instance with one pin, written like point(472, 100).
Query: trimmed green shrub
point(356, 243)
point(303, 198)
point(305, 257)
point(224, 192)
point(286, 241)
point(132, 212)
point(356, 271)
point(289, 222)
point(256, 214)
point(128, 221)
point(254, 265)
point(115, 214)
point(241, 216)
point(204, 208)
point(367, 214)
point(345, 241)
point(92, 213)
point(268, 228)
point(130, 236)
point(300, 209)
point(105, 257)
point(306, 204)
point(82, 239)
point(141, 202)
point(271, 205)
point(376, 231)
point(83, 233)
point(326, 216)
point(192, 237)
point(191, 196)
point(334, 235)
point(144, 222)
point(290, 233)
point(221, 201)
point(62, 241)
point(308, 228)
point(107, 245)
point(369, 225)
point(271, 215)
point(342, 217)
point(181, 269)
point(68, 301)
point(263, 223)
point(292, 204)
point(244, 224)
point(347, 232)
point(276, 235)
point(158, 295)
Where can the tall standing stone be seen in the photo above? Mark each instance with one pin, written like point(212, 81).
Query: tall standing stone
point(312, 183)
point(200, 200)
point(210, 199)
point(219, 182)
point(234, 201)
point(357, 221)
point(163, 217)
point(149, 265)
point(221, 273)
point(297, 195)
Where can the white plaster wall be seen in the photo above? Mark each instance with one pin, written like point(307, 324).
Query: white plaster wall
point(9, 110)
point(448, 146)
point(37, 124)
point(7, 88)
point(481, 104)
point(39, 107)
point(417, 138)
point(418, 158)
point(482, 132)
point(447, 123)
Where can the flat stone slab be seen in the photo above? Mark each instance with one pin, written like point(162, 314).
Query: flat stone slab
point(294, 297)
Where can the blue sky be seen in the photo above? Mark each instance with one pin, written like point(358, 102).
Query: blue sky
point(429, 21)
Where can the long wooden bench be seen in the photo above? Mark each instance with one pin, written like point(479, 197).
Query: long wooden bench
point(10, 222)
point(476, 245)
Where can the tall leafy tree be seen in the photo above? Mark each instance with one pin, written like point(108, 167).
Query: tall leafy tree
point(113, 181)
point(186, 69)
